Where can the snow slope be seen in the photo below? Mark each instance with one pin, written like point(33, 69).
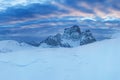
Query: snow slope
point(11, 45)
point(96, 61)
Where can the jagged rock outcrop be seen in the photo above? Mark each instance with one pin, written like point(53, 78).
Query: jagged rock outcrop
point(72, 33)
point(53, 40)
point(71, 37)
point(86, 37)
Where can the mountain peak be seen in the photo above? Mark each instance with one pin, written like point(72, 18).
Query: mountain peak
point(70, 38)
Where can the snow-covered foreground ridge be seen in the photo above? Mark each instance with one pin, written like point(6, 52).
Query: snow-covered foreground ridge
point(7, 46)
point(96, 61)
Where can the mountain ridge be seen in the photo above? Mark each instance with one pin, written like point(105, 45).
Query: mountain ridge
point(71, 37)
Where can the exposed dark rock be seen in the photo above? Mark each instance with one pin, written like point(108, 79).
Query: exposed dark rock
point(65, 45)
point(70, 36)
point(87, 37)
point(72, 33)
point(51, 40)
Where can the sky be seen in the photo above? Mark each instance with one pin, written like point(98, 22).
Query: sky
point(36, 13)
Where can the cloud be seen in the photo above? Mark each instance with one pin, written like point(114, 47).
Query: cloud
point(88, 6)
point(30, 12)
point(76, 5)
point(4, 4)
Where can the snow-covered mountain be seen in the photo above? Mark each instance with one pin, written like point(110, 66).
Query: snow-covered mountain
point(95, 61)
point(11, 45)
point(70, 38)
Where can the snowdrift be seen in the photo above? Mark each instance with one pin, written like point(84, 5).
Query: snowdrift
point(11, 45)
point(96, 61)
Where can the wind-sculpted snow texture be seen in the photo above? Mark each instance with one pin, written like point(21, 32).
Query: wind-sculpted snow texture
point(95, 61)
point(70, 38)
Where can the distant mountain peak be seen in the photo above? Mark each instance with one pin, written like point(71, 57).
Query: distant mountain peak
point(72, 32)
point(70, 38)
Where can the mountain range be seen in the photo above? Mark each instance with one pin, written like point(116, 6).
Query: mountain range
point(71, 37)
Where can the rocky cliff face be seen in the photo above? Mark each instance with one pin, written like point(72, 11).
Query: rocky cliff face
point(70, 38)
point(87, 37)
point(72, 33)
